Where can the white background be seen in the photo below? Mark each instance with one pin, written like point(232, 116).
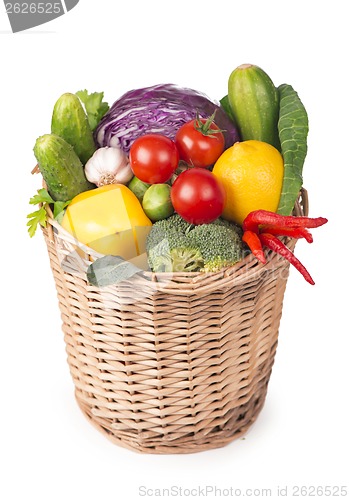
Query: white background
point(49, 449)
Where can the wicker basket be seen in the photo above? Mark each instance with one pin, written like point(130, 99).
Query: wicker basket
point(170, 363)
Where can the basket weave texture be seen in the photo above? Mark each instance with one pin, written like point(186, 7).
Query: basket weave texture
point(170, 363)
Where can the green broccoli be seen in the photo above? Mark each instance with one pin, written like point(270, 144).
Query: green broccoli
point(174, 222)
point(170, 250)
point(229, 225)
point(175, 245)
point(219, 244)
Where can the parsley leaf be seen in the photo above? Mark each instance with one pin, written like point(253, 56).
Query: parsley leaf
point(35, 218)
point(39, 217)
point(58, 209)
point(94, 106)
point(41, 197)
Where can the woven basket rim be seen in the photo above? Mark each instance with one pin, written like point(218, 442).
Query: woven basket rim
point(244, 270)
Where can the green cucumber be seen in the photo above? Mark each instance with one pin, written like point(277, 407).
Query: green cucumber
point(254, 101)
point(70, 122)
point(60, 168)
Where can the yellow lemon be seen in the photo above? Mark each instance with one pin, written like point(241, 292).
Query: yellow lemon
point(252, 174)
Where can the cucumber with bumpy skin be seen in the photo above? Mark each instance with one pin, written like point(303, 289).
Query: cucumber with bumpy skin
point(60, 168)
point(254, 101)
point(70, 122)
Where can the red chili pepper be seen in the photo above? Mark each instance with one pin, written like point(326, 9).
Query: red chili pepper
point(272, 242)
point(254, 243)
point(263, 217)
point(292, 232)
point(262, 227)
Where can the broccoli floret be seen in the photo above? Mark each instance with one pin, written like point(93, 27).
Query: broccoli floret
point(169, 248)
point(229, 225)
point(175, 254)
point(219, 244)
point(174, 222)
point(175, 245)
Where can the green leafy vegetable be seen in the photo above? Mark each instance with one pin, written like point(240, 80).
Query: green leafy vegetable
point(35, 218)
point(224, 102)
point(293, 132)
point(40, 216)
point(110, 269)
point(94, 106)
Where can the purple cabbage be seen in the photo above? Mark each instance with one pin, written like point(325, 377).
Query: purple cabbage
point(161, 109)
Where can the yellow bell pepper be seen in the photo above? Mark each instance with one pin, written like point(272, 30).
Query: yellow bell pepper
point(108, 219)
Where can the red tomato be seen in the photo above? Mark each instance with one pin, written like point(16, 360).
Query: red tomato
point(153, 158)
point(198, 196)
point(198, 144)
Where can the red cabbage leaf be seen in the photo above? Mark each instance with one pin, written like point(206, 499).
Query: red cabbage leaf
point(161, 109)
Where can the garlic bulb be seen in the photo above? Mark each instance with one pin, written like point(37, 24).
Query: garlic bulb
point(108, 165)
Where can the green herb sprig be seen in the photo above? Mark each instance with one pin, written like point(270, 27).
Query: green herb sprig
point(94, 106)
point(39, 217)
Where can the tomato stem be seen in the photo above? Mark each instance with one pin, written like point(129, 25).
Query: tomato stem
point(205, 126)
